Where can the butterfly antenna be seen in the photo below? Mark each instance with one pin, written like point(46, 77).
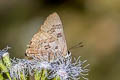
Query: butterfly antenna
point(77, 46)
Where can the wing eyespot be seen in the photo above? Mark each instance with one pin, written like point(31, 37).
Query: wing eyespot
point(59, 35)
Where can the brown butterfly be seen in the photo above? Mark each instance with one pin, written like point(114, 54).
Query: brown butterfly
point(49, 42)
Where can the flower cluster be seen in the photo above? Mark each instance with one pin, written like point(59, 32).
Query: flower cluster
point(63, 68)
point(68, 69)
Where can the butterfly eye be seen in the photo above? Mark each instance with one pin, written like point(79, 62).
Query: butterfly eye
point(25, 54)
point(68, 52)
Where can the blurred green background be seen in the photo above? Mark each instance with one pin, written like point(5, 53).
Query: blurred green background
point(96, 23)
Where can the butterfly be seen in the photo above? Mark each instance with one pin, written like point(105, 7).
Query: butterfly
point(49, 42)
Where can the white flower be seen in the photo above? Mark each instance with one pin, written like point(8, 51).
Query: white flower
point(45, 65)
point(63, 67)
point(66, 70)
point(18, 67)
point(62, 73)
point(4, 51)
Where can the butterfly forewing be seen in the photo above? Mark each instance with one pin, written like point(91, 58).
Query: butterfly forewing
point(49, 42)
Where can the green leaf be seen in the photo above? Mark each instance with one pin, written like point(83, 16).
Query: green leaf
point(4, 69)
point(1, 77)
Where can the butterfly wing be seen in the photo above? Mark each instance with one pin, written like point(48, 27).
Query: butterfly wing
point(53, 26)
point(49, 41)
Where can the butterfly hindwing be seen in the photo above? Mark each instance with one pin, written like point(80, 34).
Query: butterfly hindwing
point(49, 41)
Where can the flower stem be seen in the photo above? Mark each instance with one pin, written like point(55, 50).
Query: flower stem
point(8, 76)
point(37, 75)
point(56, 78)
point(4, 69)
point(43, 77)
point(22, 76)
point(6, 60)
